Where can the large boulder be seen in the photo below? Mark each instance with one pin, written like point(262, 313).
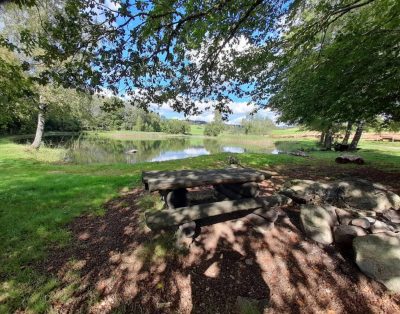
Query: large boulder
point(392, 215)
point(381, 226)
point(345, 216)
point(318, 221)
point(365, 195)
point(305, 191)
point(345, 234)
point(352, 193)
point(378, 256)
point(361, 222)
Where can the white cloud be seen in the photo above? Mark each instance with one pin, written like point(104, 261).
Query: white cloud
point(239, 109)
point(112, 5)
point(236, 121)
point(239, 45)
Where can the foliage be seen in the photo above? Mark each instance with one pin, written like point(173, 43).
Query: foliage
point(216, 127)
point(16, 93)
point(21, 86)
point(175, 126)
point(256, 124)
point(323, 62)
point(213, 129)
point(347, 73)
point(167, 50)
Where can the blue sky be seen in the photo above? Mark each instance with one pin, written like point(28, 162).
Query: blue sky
point(240, 110)
point(238, 106)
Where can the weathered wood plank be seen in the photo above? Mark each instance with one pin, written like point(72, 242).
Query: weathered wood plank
point(222, 189)
point(163, 180)
point(247, 189)
point(174, 217)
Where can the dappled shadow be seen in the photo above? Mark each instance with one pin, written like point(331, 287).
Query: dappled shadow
point(163, 180)
point(121, 265)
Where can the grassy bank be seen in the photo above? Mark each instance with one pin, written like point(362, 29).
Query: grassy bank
point(40, 194)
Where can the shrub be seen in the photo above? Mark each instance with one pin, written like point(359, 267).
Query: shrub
point(214, 129)
point(176, 127)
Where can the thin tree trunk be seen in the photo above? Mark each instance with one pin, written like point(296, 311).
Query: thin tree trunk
point(348, 133)
point(357, 136)
point(322, 138)
point(328, 140)
point(40, 127)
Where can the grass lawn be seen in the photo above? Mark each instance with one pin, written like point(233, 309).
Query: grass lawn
point(196, 129)
point(40, 194)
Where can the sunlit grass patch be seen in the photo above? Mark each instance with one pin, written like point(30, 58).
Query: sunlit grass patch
point(40, 194)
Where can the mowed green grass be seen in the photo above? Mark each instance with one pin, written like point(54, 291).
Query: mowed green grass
point(40, 195)
point(196, 129)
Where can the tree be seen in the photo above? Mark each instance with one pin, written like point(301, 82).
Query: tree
point(345, 51)
point(216, 127)
point(16, 92)
point(346, 74)
point(25, 22)
point(175, 126)
point(159, 51)
point(256, 124)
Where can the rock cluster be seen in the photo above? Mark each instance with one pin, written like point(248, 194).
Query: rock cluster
point(354, 213)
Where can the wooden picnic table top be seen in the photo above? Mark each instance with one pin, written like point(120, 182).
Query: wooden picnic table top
point(171, 180)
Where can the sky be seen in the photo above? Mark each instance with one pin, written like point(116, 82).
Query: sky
point(239, 107)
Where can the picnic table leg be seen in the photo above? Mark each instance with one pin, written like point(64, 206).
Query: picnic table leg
point(175, 198)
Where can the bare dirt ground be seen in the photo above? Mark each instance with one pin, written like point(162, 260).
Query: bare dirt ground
point(118, 265)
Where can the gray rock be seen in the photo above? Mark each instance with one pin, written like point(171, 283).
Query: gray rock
point(317, 222)
point(371, 220)
point(268, 214)
point(392, 215)
point(259, 223)
point(245, 305)
point(357, 193)
point(344, 216)
point(345, 234)
point(378, 256)
point(298, 153)
point(361, 222)
point(365, 195)
point(185, 234)
point(188, 229)
point(305, 191)
point(380, 226)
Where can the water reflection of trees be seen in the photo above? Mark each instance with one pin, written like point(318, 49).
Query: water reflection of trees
point(103, 150)
point(213, 146)
point(100, 150)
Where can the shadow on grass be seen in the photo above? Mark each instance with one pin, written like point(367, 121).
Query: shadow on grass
point(376, 158)
point(36, 201)
point(123, 267)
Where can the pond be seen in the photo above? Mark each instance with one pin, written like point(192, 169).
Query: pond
point(90, 149)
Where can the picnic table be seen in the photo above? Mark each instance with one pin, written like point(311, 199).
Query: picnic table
point(239, 185)
point(167, 180)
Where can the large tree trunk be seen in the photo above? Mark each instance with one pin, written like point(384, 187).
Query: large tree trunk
point(357, 136)
point(322, 138)
point(40, 127)
point(348, 133)
point(328, 140)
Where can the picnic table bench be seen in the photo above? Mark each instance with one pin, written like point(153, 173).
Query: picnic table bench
point(239, 185)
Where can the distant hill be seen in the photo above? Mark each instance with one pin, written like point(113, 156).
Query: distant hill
point(198, 122)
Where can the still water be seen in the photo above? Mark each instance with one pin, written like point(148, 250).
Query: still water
point(84, 149)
